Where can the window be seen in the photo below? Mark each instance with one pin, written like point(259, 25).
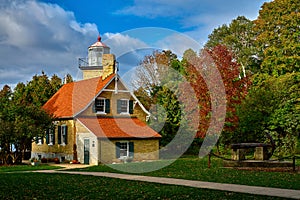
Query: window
point(102, 105)
point(50, 136)
point(39, 140)
point(62, 134)
point(124, 106)
point(124, 149)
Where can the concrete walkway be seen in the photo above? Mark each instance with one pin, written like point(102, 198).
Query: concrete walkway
point(275, 192)
point(69, 166)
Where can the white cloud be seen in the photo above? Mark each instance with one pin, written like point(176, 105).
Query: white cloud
point(121, 43)
point(178, 43)
point(198, 16)
point(37, 36)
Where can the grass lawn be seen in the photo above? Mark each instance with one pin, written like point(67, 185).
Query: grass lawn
point(62, 186)
point(14, 168)
point(196, 169)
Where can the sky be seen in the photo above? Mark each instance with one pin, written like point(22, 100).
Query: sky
point(50, 35)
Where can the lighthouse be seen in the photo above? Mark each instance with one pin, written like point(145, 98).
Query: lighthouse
point(99, 61)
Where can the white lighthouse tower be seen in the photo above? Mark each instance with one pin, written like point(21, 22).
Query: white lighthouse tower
point(99, 62)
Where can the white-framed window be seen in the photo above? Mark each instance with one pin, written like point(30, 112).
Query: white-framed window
point(50, 136)
point(62, 134)
point(100, 105)
point(123, 106)
point(39, 140)
point(124, 149)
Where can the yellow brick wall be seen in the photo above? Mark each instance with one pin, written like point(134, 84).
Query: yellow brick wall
point(108, 62)
point(57, 148)
point(143, 150)
point(87, 74)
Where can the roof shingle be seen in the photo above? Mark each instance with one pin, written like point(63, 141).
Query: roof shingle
point(73, 97)
point(118, 128)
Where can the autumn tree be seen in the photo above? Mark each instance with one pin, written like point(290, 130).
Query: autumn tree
point(201, 72)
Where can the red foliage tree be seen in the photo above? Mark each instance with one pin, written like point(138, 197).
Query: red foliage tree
point(216, 79)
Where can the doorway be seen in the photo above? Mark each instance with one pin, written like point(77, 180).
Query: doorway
point(86, 151)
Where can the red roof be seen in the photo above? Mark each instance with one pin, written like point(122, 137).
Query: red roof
point(98, 43)
point(118, 128)
point(73, 97)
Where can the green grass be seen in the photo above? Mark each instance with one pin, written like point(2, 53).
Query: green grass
point(196, 169)
point(63, 186)
point(14, 168)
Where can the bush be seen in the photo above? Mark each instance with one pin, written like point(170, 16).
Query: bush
point(44, 160)
point(56, 160)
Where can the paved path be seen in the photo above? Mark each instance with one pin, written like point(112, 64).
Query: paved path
point(275, 192)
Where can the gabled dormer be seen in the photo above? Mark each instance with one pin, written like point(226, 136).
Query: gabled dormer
point(116, 100)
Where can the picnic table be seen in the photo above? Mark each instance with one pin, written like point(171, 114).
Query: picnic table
point(261, 150)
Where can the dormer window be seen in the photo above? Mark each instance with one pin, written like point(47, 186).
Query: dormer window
point(124, 106)
point(102, 105)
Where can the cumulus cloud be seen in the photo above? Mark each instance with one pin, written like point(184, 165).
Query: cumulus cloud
point(37, 36)
point(122, 43)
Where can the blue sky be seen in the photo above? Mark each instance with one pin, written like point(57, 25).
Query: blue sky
point(51, 35)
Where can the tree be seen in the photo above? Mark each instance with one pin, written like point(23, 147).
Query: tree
point(200, 68)
point(275, 109)
point(239, 38)
point(158, 83)
point(38, 90)
point(18, 125)
point(278, 37)
point(21, 115)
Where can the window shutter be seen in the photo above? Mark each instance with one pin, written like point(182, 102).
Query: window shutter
point(53, 131)
point(66, 135)
point(42, 139)
point(131, 106)
point(36, 139)
point(118, 106)
point(131, 149)
point(47, 136)
point(59, 135)
point(94, 106)
point(107, 105)
point(118, 145)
